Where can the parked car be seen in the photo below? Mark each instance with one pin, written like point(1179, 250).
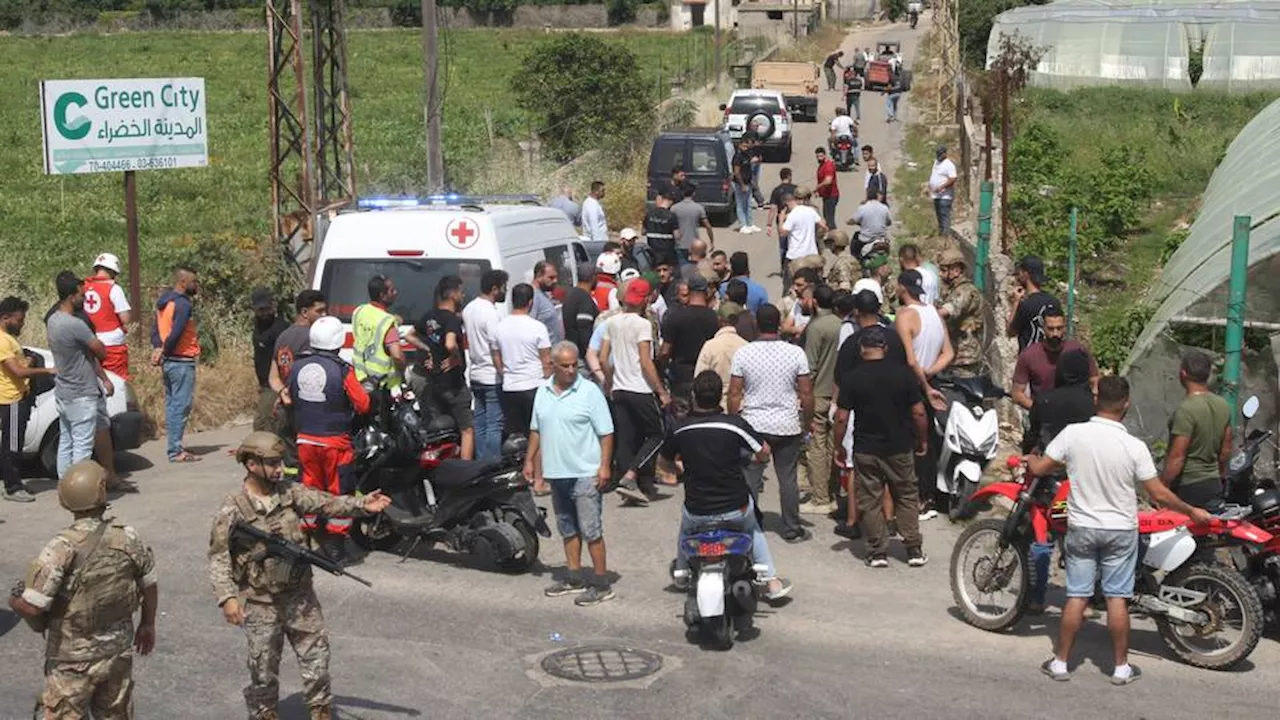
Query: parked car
point(763, 112)
point(41, 441)
point(704, 153)
point(797, 81)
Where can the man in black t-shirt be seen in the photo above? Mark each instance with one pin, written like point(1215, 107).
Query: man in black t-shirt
point(1029, 303)
point(828, 68)
point(713, 449)
point(661, 230)
point(267, 327)
point(888, 393)
point(441, 338)
point(685, 329)
point(580, 311)
point(866, 313)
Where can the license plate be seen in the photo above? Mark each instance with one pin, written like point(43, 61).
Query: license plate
point(710, 549)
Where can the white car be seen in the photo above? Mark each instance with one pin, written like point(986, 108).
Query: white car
point(765, 113)
point(41, 441)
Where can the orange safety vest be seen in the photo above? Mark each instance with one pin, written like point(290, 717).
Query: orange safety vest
point(98, 306)
point(188, 345)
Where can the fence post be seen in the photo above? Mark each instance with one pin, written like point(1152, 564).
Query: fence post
point(1235, 314)
point(983, 252)
point(1071, 275)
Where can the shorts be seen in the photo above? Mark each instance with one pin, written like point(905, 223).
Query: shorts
point(578, 507)
point(455, 403)
point(1090, 551)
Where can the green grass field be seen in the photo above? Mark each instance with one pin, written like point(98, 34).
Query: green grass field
point(55, 222)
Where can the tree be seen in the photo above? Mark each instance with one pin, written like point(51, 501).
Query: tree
point(585, 93)
point(974, 19)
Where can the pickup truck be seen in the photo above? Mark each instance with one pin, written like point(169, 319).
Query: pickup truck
point(797, 81)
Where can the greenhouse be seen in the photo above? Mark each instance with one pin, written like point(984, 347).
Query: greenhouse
point(1192, 289)
point(1149, 44)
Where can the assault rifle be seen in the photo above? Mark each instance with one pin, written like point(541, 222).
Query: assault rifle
point(291, 551)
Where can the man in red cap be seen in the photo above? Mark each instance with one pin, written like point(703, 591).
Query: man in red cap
point(626, 355)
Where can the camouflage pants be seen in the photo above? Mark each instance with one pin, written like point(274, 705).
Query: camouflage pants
point(297, 616)
point(72, 689)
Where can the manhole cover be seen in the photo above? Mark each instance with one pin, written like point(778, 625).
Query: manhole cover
point(602, 664)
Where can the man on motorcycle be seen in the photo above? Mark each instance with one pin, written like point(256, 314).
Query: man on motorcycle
point(326, 397)
point(716, 491)
point(843, 126)
point(1105, 464)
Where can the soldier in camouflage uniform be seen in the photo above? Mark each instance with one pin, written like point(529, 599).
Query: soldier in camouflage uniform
point(840, 267)
point(269, 596)
point(962, 307)
point(877, 268)
point(82, 592)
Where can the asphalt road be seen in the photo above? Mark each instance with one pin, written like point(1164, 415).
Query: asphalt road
point(440, 636)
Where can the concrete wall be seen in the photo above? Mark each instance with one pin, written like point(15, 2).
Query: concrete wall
point(530, 16)
point(754, 20)
point(682, 15)
point(849, 10)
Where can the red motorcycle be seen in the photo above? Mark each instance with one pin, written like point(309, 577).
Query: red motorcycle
point(1208, 614)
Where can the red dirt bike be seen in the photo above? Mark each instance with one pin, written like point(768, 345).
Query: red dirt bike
point(1208, 614)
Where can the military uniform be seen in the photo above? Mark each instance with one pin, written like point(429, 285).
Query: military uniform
point(89, 608)
point(964, 305)
point(840, 267)
point(277, 597)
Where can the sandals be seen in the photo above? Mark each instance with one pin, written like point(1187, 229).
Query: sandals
point(185, 457)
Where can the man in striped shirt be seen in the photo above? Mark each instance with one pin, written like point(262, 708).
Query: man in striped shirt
point(716, 491)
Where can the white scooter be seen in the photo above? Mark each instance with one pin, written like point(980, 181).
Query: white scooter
point(970, 434)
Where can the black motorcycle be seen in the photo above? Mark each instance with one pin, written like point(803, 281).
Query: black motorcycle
point(471, 506)
point(843, 152)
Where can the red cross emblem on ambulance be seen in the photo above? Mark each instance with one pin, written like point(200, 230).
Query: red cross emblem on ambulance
point(462, 234)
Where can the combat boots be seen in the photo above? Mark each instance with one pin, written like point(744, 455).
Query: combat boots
point(322, 712)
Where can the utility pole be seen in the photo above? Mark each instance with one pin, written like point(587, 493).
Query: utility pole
point(717, 68)
point(431, 106)
point(795, 19)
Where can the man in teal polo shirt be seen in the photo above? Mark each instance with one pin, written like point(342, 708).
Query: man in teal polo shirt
point(571, 443)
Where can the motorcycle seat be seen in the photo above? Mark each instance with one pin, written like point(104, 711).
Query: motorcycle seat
point(717, 527)
point(975, 389)
point(459, 473)
point(441, 423)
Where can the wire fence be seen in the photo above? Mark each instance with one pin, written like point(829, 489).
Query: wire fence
point(693, 64)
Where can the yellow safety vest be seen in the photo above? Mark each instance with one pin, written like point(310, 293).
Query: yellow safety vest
point(369, 325)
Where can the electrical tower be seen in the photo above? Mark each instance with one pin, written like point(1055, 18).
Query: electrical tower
point(312, 167)
point(947, 35)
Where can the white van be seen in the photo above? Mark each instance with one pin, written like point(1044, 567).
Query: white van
point(417, 245)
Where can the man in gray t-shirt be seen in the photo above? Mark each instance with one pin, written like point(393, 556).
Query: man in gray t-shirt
point(78, 396)
point(872, 217)
point(690, 215)
point(565, 203)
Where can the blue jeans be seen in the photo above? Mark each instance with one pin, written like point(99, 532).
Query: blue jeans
point(891, 105)
point(1041, 554)
point(79, 419)
point(179, 392)
point(689, 524)
point(755, 183)
point(853, 106)
point(488, 420)
point(578, 508)
point(742, 196)
point(942, 208)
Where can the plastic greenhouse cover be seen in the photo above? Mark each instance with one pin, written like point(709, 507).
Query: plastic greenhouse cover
point(1193, 281)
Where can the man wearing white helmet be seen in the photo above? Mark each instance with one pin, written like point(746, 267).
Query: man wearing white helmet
point(326, 396)
point(608, 266)
point(109, 312)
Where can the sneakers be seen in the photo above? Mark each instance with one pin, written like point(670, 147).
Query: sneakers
point(916, 557)
point(1126, 679)
point(568, 586)
point(812, 508)
point(927, 512)
point(594, 596)
point(797, 536)
point(849, 532)
point(782, 590)
point(748, 230)
point(1058, 675)
point(877, 561)
point(630, 492)
point(19, 495)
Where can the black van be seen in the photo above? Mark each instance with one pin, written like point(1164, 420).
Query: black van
point(705, 154)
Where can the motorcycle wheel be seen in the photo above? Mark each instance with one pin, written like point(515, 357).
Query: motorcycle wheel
point(374, 533)
point(994, 571)
point(719, 632)
point(1232, 602)
point(525, 562)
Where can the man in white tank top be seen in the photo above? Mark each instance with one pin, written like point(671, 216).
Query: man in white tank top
point(929, 352)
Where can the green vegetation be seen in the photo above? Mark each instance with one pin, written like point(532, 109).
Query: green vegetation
point(1136, 184)
point(56, 222)
point(974, 19)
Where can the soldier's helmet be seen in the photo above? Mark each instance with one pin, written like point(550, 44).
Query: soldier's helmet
point(83, 487)
point(839, 238)
point(950, 257)
point(260, 445)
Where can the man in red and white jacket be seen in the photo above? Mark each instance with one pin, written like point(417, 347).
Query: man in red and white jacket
point(109, 312)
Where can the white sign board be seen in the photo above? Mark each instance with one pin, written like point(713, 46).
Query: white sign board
point(129, 124)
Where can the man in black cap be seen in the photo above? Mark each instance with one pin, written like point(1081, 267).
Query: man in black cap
point(1026, 322)
point(882, 450)
point(267, 326)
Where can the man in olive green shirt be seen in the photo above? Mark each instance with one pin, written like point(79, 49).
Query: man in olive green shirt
point(821, 341)
point(1199, 436)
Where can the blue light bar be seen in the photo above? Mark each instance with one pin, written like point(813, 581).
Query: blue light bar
point(380, 203)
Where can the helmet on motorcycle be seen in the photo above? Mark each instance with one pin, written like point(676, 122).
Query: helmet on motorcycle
point(83, 487)
point(261, 446)
point(1266, 502)
point(515, 445)
point(327, 334)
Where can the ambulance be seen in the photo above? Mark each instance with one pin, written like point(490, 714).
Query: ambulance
point(415, 243)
